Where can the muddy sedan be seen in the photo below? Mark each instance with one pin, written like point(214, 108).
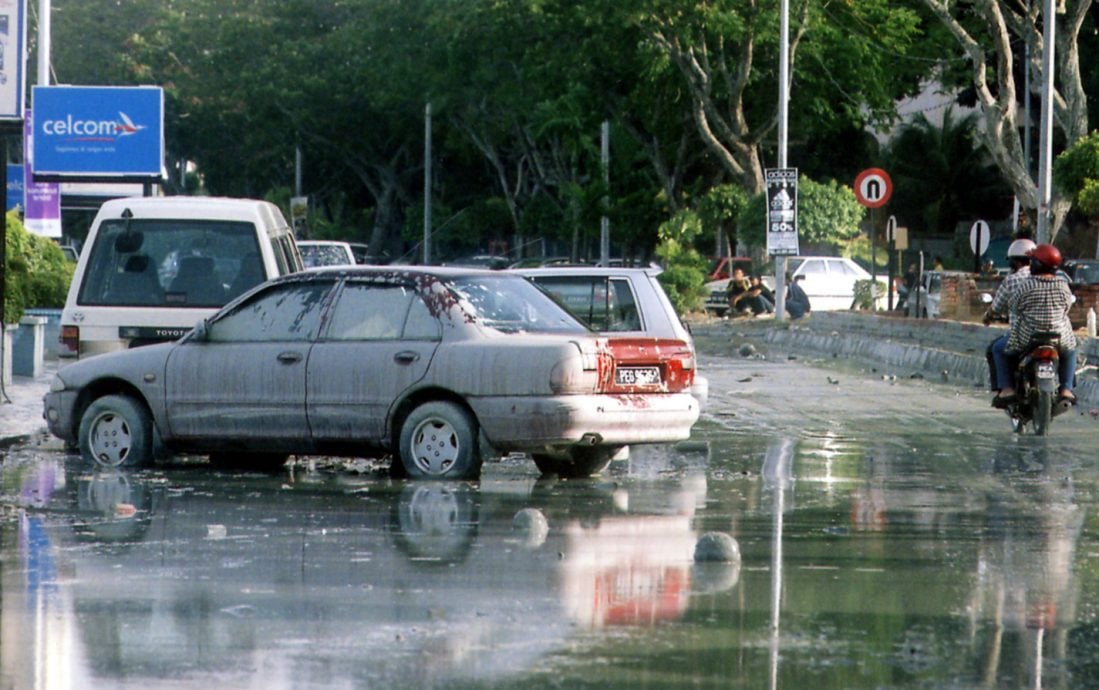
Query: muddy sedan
point(433, 365)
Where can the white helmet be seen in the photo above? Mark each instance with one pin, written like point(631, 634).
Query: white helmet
point(1020, 249)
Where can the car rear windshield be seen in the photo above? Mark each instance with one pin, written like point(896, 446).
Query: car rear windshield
point(171, 263)
point(313, 255)
point(510, 304)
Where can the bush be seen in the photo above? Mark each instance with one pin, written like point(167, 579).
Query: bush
point(863, 297)
point(684, 274)
point(36, 272)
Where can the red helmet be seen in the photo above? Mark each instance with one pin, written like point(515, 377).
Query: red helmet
point(1045, 258)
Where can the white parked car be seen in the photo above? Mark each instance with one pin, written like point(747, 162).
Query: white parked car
point(618, 301)
point(316, 253)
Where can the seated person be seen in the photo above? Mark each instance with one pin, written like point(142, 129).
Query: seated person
point(765, 298)
point(1018, 258)
point(1039, 304)
point(744, 297)
point(797, 302)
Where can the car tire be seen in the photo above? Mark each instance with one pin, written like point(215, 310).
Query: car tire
point(578, 464)
point(439, 440)
point(116, 431)
point(258, 462)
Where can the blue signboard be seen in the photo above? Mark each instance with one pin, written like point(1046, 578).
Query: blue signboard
point(15, 186)
point(98, 132)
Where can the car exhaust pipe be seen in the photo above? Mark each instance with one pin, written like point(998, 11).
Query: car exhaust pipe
point(590, 440)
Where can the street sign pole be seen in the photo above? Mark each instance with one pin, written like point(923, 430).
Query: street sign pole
point(891, 238)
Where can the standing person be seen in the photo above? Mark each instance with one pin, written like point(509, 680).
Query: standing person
point(1040, 305)
point(1018, 258)
point(938, 264)
point(797, 302)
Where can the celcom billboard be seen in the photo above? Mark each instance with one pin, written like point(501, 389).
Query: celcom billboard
point(98, 132)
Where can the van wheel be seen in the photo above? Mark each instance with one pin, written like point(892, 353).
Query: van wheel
point(116, 431)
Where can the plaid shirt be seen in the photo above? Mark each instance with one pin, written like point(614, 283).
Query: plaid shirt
point(1008, 289)
point(1039, 305)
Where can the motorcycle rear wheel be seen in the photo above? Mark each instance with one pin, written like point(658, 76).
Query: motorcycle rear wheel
point(1043, 413)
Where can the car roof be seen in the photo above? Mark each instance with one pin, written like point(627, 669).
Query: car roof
point(394, 271)
point(585, 271)
point(324, 242)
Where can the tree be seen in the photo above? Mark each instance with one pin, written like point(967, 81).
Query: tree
point(726, 53)
point(942, 175)
point(988, 33)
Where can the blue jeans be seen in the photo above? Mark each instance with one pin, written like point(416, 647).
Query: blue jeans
point(1005, 366)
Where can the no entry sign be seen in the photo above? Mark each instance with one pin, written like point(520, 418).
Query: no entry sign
point(873, 187)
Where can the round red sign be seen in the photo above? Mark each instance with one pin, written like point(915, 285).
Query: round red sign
point(873, 187)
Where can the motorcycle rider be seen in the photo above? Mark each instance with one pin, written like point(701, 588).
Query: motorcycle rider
point(1040, 304)
point(1019, 260)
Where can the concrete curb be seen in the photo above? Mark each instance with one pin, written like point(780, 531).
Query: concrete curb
point(937, 348)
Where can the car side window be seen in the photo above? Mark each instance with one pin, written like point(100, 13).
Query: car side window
point(282, 313)
point(841, 268)
point(366, 311)
point(625, 315)
point(813, 266)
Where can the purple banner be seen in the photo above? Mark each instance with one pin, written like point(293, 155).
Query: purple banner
point(42, 200)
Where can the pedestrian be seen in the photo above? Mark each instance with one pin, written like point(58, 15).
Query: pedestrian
point(797, 302)
point(938, 265)
point(738, 292)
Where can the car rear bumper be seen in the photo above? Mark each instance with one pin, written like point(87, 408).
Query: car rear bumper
point(529, 423)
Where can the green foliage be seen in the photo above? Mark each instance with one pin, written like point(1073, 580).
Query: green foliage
point(1076, 172)
point(863, 295)
point(1088, 198)
point(828, 214)
point(36, 272)
point(684, 273)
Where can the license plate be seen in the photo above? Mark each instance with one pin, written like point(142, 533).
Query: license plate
point(637, 376)
point(1045, 371)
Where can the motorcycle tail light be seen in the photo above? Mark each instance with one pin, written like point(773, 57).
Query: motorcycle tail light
point(1045, 354)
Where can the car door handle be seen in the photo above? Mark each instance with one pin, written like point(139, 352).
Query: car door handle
point(405, 357)
point(289, 357)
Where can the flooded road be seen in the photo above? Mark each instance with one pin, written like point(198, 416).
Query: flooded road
point(892, 533)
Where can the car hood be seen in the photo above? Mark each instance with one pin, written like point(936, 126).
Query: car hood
point(126, 364)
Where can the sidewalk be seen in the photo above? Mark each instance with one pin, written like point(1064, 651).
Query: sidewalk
point(22, 417)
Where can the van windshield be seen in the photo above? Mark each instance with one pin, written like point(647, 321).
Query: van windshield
point(171, 263)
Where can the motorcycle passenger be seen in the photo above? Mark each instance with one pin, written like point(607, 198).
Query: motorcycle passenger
point(1040, 304)
point(1019, 260)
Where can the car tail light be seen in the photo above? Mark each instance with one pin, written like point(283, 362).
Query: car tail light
point(69, 341)
point(649, 365)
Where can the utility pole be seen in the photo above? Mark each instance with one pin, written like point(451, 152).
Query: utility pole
point(783, 109)
point(427, 184)
point(1045, 136)
point(605, 222)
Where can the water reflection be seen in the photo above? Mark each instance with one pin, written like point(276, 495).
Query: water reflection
point(157, 578)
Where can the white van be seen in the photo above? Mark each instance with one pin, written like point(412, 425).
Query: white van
point(152, 267)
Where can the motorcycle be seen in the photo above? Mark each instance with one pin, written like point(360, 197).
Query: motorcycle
point(1036, 386)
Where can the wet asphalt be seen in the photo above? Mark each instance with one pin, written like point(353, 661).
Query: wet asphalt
point(889, 531)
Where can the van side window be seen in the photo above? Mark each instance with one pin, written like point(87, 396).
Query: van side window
point(170, 262)
point(279, 251)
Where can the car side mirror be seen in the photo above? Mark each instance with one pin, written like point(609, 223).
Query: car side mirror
point(199, 333)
